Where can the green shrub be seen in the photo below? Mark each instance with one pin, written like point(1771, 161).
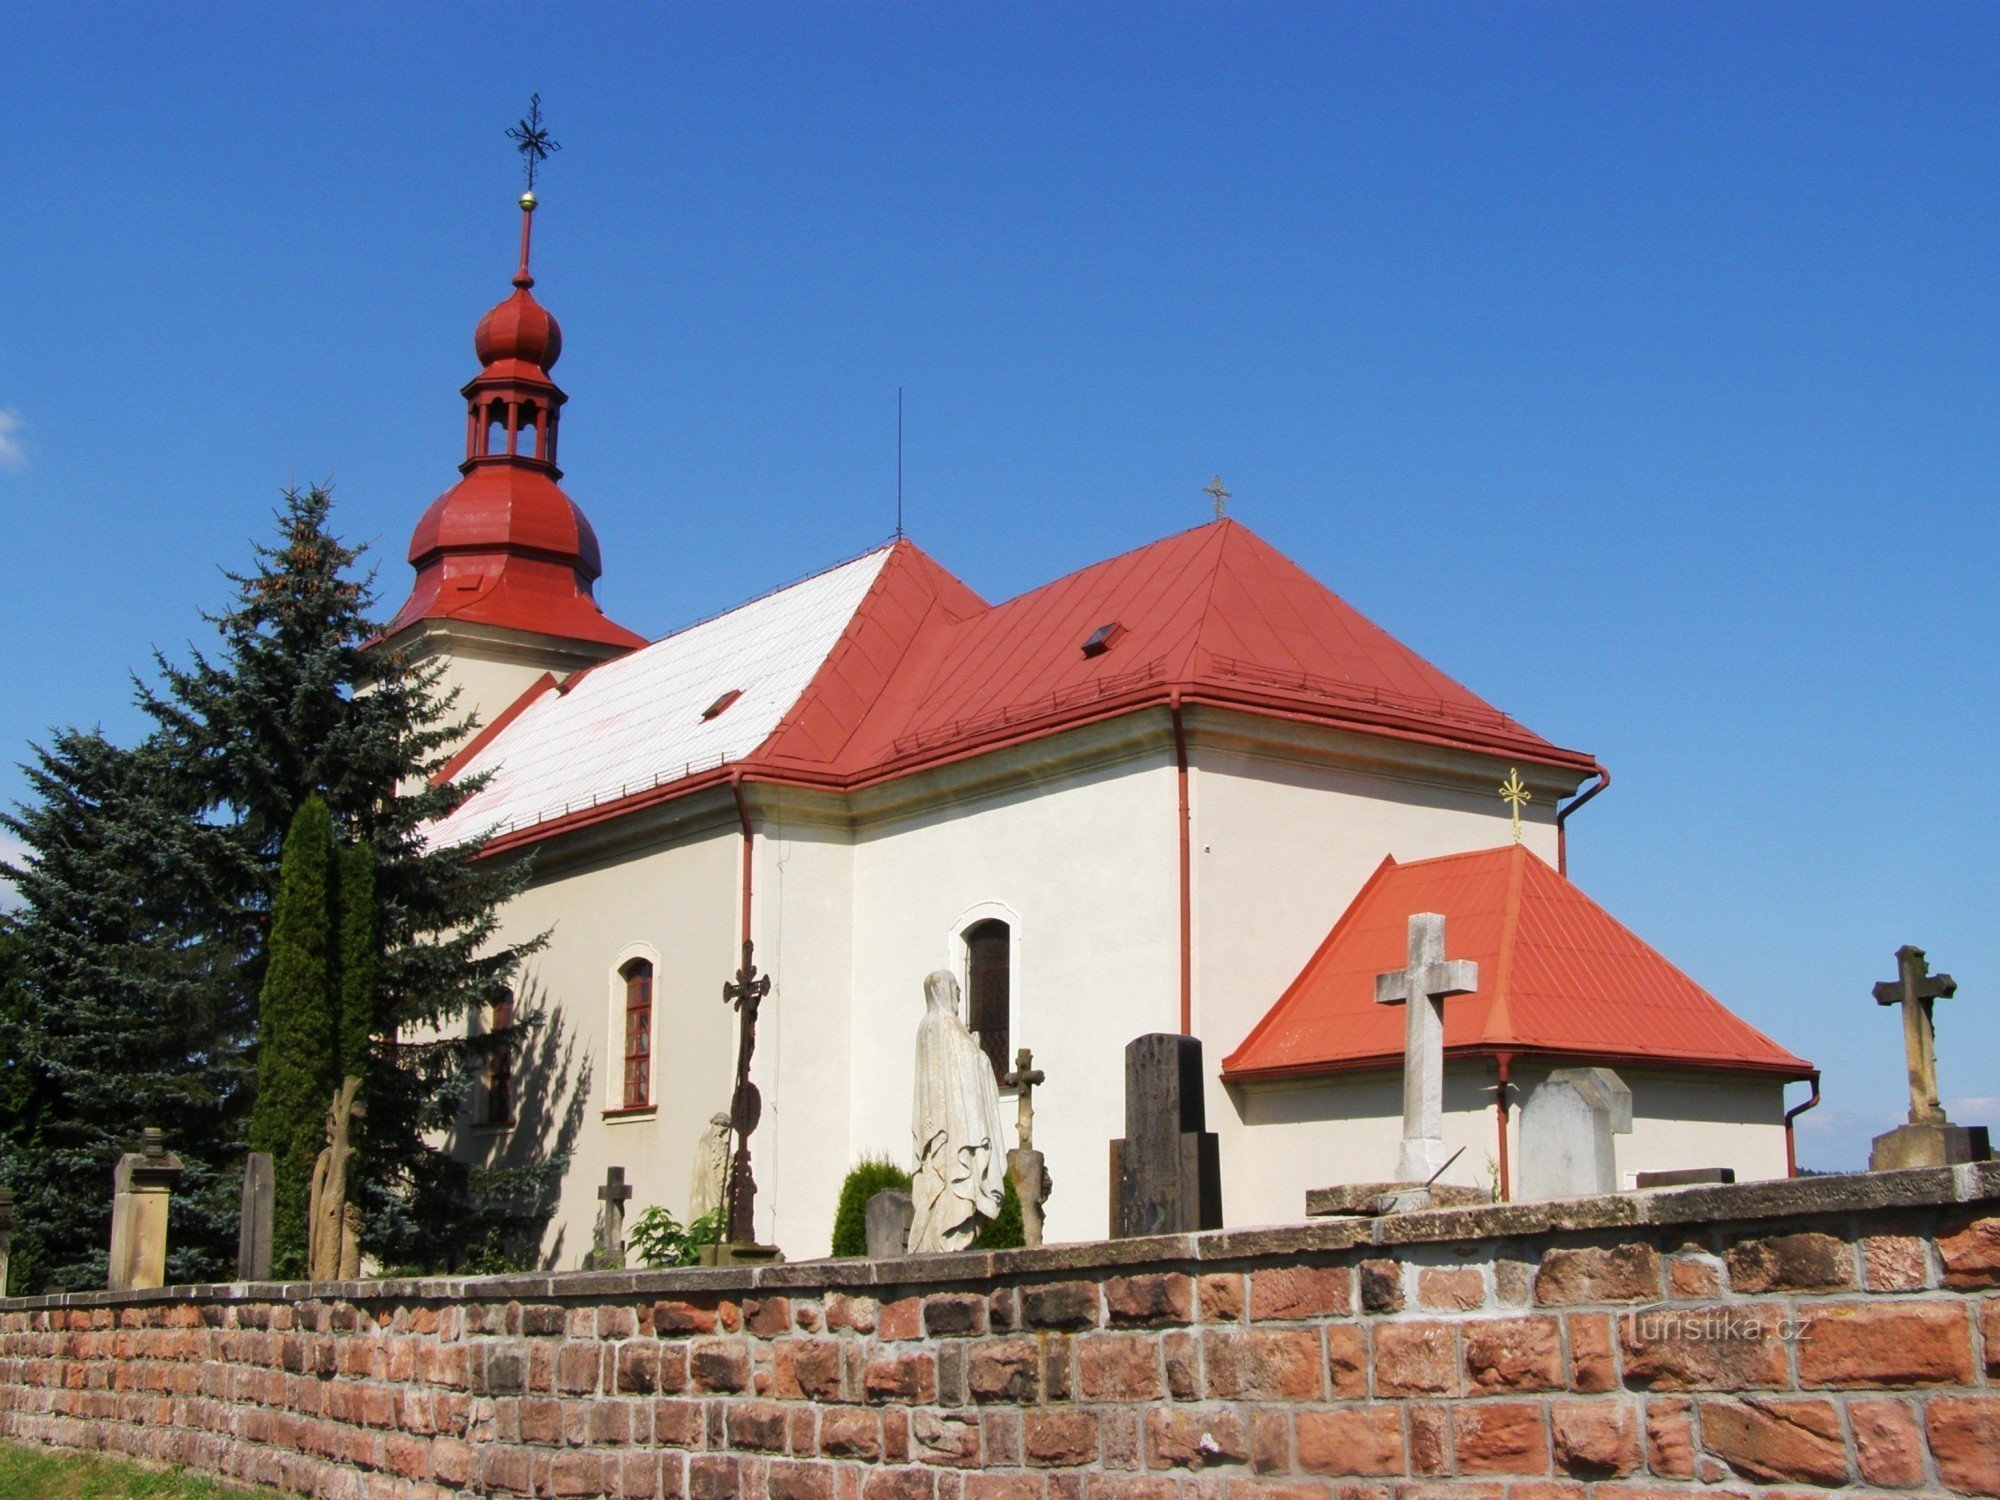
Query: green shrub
point(658, 1240)
point(869, 1176)
point(1004, 1231)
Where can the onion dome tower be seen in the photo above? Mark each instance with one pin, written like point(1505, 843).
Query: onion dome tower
point(505, 561)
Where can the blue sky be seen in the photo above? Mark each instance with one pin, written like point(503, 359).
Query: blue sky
point(1638, 364)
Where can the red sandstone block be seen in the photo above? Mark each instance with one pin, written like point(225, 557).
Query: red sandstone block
point(1001, 1487)
point(639, 1369)
point(719, 1365)
point(1416, 1358)
point(954, 1315)
point(1970, 1250)
point(767, 1317)
point(1718, 1347)
point(1895, 1263)
point(1219, 1296)
point(1003, 1370)
point(1500, 1437)
point(1513, 1354)
point(1777, 1441)
point(1119, 1367)
point(1118, 1438)
point(1182, 1439)
point(1670, 1437)
point(608, 1422)
point(758, 1426)
point(852, 1314)
point(1450, 1288)
point(900, 1320)
point(714, 1477)
point(1693, 1278)
point(1351, 1440)
point(1180, 1352)
point(899, 1484)
point(1887, 1442)
point(948, 1438)
point(1133, 1301)
point(1000, 1439)
point(850, 1433)
point(1060, 1304)
point(1059, 1439)
point(1124, 1487)
point(1263, 1364)
point(1622, 1273)
point(908, 1378)
point(1346, 1360)
point(807, 1369)
point(1886, 1343)
point(1595, 1439)
point(1288, 1293)
point(451, 1461)
point(638, 1476)
point(677, 1424)
point(676, 1317)
point(1965, 1440)
point(1381, 1285)
point(1804, 1262)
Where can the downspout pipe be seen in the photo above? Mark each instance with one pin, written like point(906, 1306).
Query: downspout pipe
point(743, 817)
point(1503, 1063)
point(1791, 1146)
point(1562, 818)
point(1186, 862)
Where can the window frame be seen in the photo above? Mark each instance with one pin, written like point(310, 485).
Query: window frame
point(617, 1027)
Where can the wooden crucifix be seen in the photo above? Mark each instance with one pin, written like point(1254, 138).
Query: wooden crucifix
point(1023, 1080)
point(1422, 988)
point(1915, 988)
point(746, 992)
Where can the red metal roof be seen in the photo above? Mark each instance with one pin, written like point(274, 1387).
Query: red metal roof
point(1557, 975)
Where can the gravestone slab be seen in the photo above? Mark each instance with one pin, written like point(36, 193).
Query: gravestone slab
point(1167, 1170)
point(1688, 1177)
point(1366, 1199)
point(6, 1234)
point(253, 1235)
point(142, 1186)
point(889, 1216)
point(1567, 1127)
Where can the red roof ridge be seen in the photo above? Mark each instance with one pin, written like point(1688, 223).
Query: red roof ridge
point(1499, 1017)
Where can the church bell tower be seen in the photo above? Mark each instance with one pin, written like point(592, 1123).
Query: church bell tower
point(505, 561)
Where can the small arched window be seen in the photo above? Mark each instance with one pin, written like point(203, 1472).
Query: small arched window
point(638, 977)
point(496, 429)
point(527, 441)
point(988, 985)
point(500, 1063)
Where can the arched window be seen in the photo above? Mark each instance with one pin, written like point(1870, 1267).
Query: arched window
point(500, 1063)
point(527, 441)
point(638, 976)
point(496, 429)
point(988, 955)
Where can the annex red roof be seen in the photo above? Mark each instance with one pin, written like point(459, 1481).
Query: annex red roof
point(1558, 976)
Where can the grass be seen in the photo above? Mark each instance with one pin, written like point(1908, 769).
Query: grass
point(49, 1474)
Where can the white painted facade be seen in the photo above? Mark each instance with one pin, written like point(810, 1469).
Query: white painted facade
point(1073, 841)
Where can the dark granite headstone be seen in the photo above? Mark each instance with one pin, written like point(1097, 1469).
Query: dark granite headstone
point(1166, 1173)
point(253, 1235)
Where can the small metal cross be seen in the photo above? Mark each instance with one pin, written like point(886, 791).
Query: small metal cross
point(532, 139)
point(1514, 792)
point(1214, 490)
point(1023, 1080)
point(1914, 988)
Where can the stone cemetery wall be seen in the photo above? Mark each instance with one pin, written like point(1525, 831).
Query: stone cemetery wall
point(1839, 1332)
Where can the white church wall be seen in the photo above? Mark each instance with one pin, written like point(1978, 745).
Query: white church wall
point(679, 900)
point(1087, 862)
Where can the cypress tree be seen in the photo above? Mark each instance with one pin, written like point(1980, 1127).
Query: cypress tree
point(298, 1031)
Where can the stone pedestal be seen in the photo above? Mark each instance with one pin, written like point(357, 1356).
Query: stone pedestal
point(1928, 1145)
point(740, 1253)
point(889, 1216)
point(142, 1190)
point(253, 1234)
point(1166, 1173)
point(1029, 1173)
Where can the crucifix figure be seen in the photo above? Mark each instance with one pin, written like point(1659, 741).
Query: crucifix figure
point(746, 992)
point(1514, 792)
point(611, 1224)
point(1214, 490)
point(1423, 988)
point(532, 139)
point(1915, 988)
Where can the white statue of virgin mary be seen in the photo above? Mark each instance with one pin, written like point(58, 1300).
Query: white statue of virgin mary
point(961, 1153)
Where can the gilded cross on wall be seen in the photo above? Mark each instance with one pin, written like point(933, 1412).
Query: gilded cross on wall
point(1514, 792)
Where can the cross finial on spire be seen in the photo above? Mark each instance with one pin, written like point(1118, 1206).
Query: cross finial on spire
point(532, 139)
point(1214, 490)
point(1514, 792)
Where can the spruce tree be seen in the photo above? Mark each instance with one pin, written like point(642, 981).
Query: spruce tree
point(357, 958)
point(298, 1031)
point(122, 1011)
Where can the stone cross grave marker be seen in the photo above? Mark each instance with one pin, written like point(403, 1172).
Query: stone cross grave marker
point(1929, 1139)
point(253, 1235)
point(1567, 1127)
point(610, 1248)
point(1166, 1173)
point(142, 1187)
point(1423, 987)
point(1025, 1166)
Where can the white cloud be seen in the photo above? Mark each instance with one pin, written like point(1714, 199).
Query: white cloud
point(12, 454)
point(12, 851)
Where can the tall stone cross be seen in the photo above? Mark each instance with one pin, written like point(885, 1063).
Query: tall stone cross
point(1914, 988)
point(615, 1194)
point(1023, 1080)
point(746, 992)
point(1423, 987)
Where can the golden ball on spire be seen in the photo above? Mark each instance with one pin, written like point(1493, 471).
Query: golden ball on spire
point(528, 201)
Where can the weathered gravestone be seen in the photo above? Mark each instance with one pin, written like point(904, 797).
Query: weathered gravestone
point(1929, 1139)
point(1025, 1167)
point(142, 1188)
point(1421, 989)
point(1166, 1174)
point(888, 1218)
point(1567, 1125)
point(608, 1254)
point(6, 1234)
point(253, 1234)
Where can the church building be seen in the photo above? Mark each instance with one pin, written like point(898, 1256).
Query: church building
point(1186, 789)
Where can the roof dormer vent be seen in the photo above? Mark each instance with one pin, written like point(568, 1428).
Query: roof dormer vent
point(1103, 639)
point(720, 704)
